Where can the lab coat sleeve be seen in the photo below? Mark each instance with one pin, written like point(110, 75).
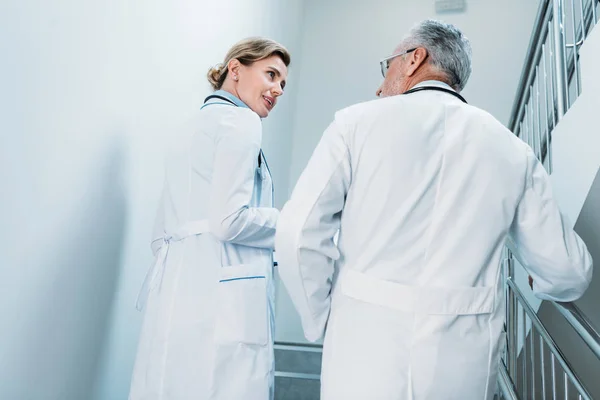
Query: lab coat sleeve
point(545, 243)
point(305, 247)
point(235, 162)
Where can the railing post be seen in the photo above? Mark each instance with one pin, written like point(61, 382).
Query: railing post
point(560, 59)
point(511, 320)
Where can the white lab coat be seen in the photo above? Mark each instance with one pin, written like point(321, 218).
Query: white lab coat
point(208, 324)
point(425, 190)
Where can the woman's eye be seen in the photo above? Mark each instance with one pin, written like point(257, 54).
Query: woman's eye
point(271, 74)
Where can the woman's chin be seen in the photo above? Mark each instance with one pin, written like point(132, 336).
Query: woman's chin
point(263, 112)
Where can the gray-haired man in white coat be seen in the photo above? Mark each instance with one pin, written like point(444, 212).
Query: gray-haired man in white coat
point(425, 190)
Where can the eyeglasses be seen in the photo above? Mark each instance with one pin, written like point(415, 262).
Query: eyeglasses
point(385, 63)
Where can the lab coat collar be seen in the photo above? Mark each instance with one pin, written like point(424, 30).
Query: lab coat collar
point(434, 83)
point(231, 98)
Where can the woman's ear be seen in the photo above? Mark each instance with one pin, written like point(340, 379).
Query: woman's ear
point(234, 68)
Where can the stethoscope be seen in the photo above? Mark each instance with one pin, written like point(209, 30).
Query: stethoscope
point(261, 155)
point(438, 89)
point(216, 96)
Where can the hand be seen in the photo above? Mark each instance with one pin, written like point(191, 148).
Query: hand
point(530, 282)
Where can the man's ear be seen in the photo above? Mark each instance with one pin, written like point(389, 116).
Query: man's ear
point(416, 59)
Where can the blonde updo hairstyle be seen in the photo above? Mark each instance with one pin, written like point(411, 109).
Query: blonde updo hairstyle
point(247, 52)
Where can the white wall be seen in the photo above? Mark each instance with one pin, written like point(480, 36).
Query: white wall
point(89, 93)
point(575, 140)
point(63, 205)
point(342, 43)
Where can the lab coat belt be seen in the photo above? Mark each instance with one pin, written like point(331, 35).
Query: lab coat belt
point(156, 271)
point(431, 300)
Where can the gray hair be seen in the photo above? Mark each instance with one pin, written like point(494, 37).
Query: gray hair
point(449, 50)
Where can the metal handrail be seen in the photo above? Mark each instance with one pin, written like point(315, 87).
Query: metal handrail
point(540, 29)
point(542, 99)
point(581, 324)
point(507, 387)
point(547, 338)
point(588, 20)
point(544, 87)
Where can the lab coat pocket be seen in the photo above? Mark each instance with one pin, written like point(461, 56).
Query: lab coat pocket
point(242, 306)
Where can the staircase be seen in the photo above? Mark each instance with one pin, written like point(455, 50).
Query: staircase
point(297, 371)
point(553, 350)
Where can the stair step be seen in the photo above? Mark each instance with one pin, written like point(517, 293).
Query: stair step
point(305, 362)
point(296, 389)
point(297, 372)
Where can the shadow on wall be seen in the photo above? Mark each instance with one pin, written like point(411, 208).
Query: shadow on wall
point(58, 332)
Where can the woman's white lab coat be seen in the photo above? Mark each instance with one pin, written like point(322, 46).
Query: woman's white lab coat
point(426, 191)
point(208, 324)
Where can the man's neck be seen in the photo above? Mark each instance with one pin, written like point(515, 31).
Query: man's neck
point(433, 82)
point(424, 77)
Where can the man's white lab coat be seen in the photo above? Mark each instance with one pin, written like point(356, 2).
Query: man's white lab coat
point(425, 191)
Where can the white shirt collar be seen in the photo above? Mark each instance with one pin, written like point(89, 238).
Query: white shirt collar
point(434, 83)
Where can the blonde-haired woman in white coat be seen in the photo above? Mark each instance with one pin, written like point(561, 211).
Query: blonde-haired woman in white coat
point(208, 324)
